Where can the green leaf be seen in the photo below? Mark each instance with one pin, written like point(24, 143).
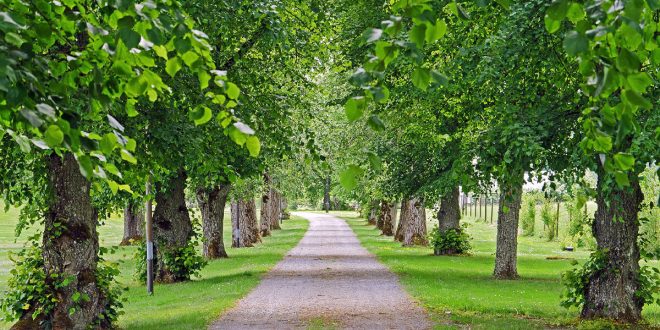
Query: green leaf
point(621, 179)
point(130, 38)
point(421, 78)
point(375, 161)
point(161, 51)
point(418, 34)
point(551, 25)
point(557, 11)
point(237, 136)
point(85, 165)
point(636, 99)
point(375, 123)
point(53, 136)
point(354, 108)
point(190, 58)
point(639, 81)
point(253, 145)
point(439, 78)
point(201, 115)
point(114, 186)
point(575, 13)
point(349, 176)
point(173, 66)
point(436, 31)
point(575, 43)
point(624, 161)
point(232, 91)
point(627, 61)
point(204, 78)
point(108, 143)
point(127, 156)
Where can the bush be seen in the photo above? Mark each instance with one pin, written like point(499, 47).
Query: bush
point(549, 220)
point(579, 228)
point(183, 262)
point(451, 241)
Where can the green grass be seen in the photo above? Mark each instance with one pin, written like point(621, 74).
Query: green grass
point(460, 290)
point(190, 305)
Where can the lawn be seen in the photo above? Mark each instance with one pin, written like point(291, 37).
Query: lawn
point(459, 290)
point(190, 305)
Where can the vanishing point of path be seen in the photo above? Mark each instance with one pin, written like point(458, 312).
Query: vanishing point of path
point(330, 280)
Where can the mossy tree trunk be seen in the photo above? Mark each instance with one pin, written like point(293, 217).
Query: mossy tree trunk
point(133, 223)
point(507, 231)
point(449, 215)
point(172, 225)
point(611, 292)
point(70, 249)
point(412, 224)
point(212, 206)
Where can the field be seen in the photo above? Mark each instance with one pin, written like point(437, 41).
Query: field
point(191, 305)
point(460, 290)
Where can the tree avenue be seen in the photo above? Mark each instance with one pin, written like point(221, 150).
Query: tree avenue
point(416, 113)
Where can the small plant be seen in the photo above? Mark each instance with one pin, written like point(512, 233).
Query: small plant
point(549, 221)
point(579, 228)
point(451, 241)
point(183, 262)
point(529, 216)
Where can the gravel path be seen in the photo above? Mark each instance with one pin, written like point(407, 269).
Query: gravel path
point(330, 280)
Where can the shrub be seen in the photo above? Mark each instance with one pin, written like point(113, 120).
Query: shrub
point(549, 220)
point(451, 241)
point(183, 262)
point(529, 216)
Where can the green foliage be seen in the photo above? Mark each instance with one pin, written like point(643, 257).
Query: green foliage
point(549, 220)
point(579, 228)
point(528, 213)
point(184, 262)
point(454, 241)
point(575, 281)
point(27, 291)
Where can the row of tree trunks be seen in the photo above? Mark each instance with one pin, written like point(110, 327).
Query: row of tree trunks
point(172, 225)
point(387, 218)
point(133, 223)
point(372, 216)
point(245, 228)
point(271, 208)
point(326, 195)
point(611, 292)
point(412, 223)
point(507, 231)
point(71, 251)
point(212, 207)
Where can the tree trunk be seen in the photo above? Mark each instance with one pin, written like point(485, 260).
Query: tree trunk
point(133, 224)
point(172, 226)
point(326, 195)
point(245, 229)
point(212, 206)
point(507, 231)
point(610, 292)
point(449, 215)
point(268, 214)
point(412, 226)
point(387, 217)
point(372, 218)
point(70, 249)
point(276, 210)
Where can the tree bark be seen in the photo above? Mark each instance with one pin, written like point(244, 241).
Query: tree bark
point(412, 225)
point(245, 229)
point(610, 292)
point(449, 215)
point(276, 210)
point(507, 231)
point(387, 217)
point(172, 225)
point(372, 217)
point(212, 206)
point(70, 248)
point(133, 224)
point(269, 207)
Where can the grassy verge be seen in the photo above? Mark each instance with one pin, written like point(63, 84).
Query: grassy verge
point(190, 305)
point(460, 291)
